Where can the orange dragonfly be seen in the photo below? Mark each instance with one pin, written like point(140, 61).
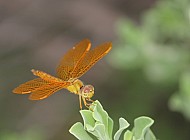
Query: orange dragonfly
point(73, 65)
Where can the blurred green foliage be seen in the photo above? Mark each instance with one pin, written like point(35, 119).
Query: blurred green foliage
point(180, 101)
point(160, 46)
point(31, 134)
point(98, 123)
point(154, 56)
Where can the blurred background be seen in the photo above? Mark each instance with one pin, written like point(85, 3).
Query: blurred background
point(147, 71)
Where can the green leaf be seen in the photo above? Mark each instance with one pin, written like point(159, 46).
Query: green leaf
point(123, 124)
point(97, 122)
point(88, 119)
point(128, 135)
point(100, 130)
point(101, 116)
point(142, 128)
point(110, 127)
point(78, 131)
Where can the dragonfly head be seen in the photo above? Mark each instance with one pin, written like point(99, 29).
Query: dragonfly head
point(87, 91)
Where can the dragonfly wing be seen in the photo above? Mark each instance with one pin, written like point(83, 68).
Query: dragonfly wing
point(71, 59)
point(46, 91)
point(90, 59)
point(30, 86)
point(47, 77)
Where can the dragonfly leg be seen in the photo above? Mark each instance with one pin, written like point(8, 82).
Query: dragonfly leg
point(80, 102)
point(85, 103)
point(88, 99)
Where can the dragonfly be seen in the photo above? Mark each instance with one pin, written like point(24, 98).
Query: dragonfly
point(76, 62)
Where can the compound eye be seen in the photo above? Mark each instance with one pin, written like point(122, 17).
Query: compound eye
point(86, 91)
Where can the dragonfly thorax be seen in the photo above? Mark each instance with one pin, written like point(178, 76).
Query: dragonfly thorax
point(75, 86)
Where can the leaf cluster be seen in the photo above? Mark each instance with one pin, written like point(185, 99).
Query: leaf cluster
point(99, 126)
